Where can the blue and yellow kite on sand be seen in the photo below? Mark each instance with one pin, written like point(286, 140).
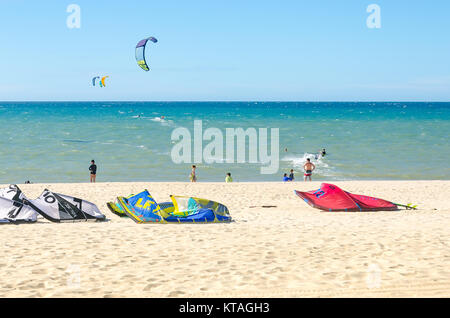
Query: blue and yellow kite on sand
point(142, 208)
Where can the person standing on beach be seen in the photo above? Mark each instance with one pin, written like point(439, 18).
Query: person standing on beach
point(228, 178)
point(309, 168)
point(93, 170)
point(193, 176)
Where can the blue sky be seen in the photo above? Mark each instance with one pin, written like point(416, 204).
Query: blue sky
point(226, 50)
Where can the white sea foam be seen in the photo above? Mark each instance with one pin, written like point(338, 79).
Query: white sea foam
point(162, 121)
point(157, 119)
point(298, 161)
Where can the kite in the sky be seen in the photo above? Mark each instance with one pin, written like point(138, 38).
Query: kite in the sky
point(93, 80)
point(140, 52)
point(103, 80)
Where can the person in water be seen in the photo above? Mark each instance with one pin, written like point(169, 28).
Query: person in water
point(286, 178)
point(228, 178)
point(93, 170)
point(309, 168)
point(323, 152)
point(193, 176)
point(291, 175)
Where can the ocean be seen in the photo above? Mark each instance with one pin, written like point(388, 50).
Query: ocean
point(46, 142)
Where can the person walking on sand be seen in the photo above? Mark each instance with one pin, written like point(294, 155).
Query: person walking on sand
point(309, 167)
point(193, 176)
point(228, 178)
point(93, 170)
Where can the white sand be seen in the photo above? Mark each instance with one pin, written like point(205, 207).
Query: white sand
point(292, 250)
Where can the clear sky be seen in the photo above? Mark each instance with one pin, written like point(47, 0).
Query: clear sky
point(226, 50)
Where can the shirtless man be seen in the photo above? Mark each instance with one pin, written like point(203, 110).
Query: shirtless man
point(309, 168)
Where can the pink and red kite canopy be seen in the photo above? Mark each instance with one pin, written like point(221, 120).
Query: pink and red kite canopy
point(332, 198)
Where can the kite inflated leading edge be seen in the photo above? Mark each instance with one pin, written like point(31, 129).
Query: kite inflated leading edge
point(55, 207)
point(140, 53)
point(333, 199)
point(142, 208)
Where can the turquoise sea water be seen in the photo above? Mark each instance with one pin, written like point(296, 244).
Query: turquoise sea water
point(55, 141)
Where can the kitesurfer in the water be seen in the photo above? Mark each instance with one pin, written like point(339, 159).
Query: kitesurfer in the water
point(320, 154)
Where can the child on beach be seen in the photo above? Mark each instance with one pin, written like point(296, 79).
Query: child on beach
point(228, 178)
point(193, 176)
point(286, 178)
point(309, 168)
point(93, 170)
point(291, 175)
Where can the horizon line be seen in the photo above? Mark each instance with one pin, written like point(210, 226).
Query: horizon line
point(226, 101)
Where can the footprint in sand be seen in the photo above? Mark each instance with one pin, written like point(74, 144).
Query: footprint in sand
point(112, 296)
point(176, 293)
point(150, 286)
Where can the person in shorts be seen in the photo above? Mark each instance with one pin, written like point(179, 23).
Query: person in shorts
point(309, 168)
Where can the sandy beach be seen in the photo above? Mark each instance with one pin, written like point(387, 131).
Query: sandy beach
point(291, 250)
